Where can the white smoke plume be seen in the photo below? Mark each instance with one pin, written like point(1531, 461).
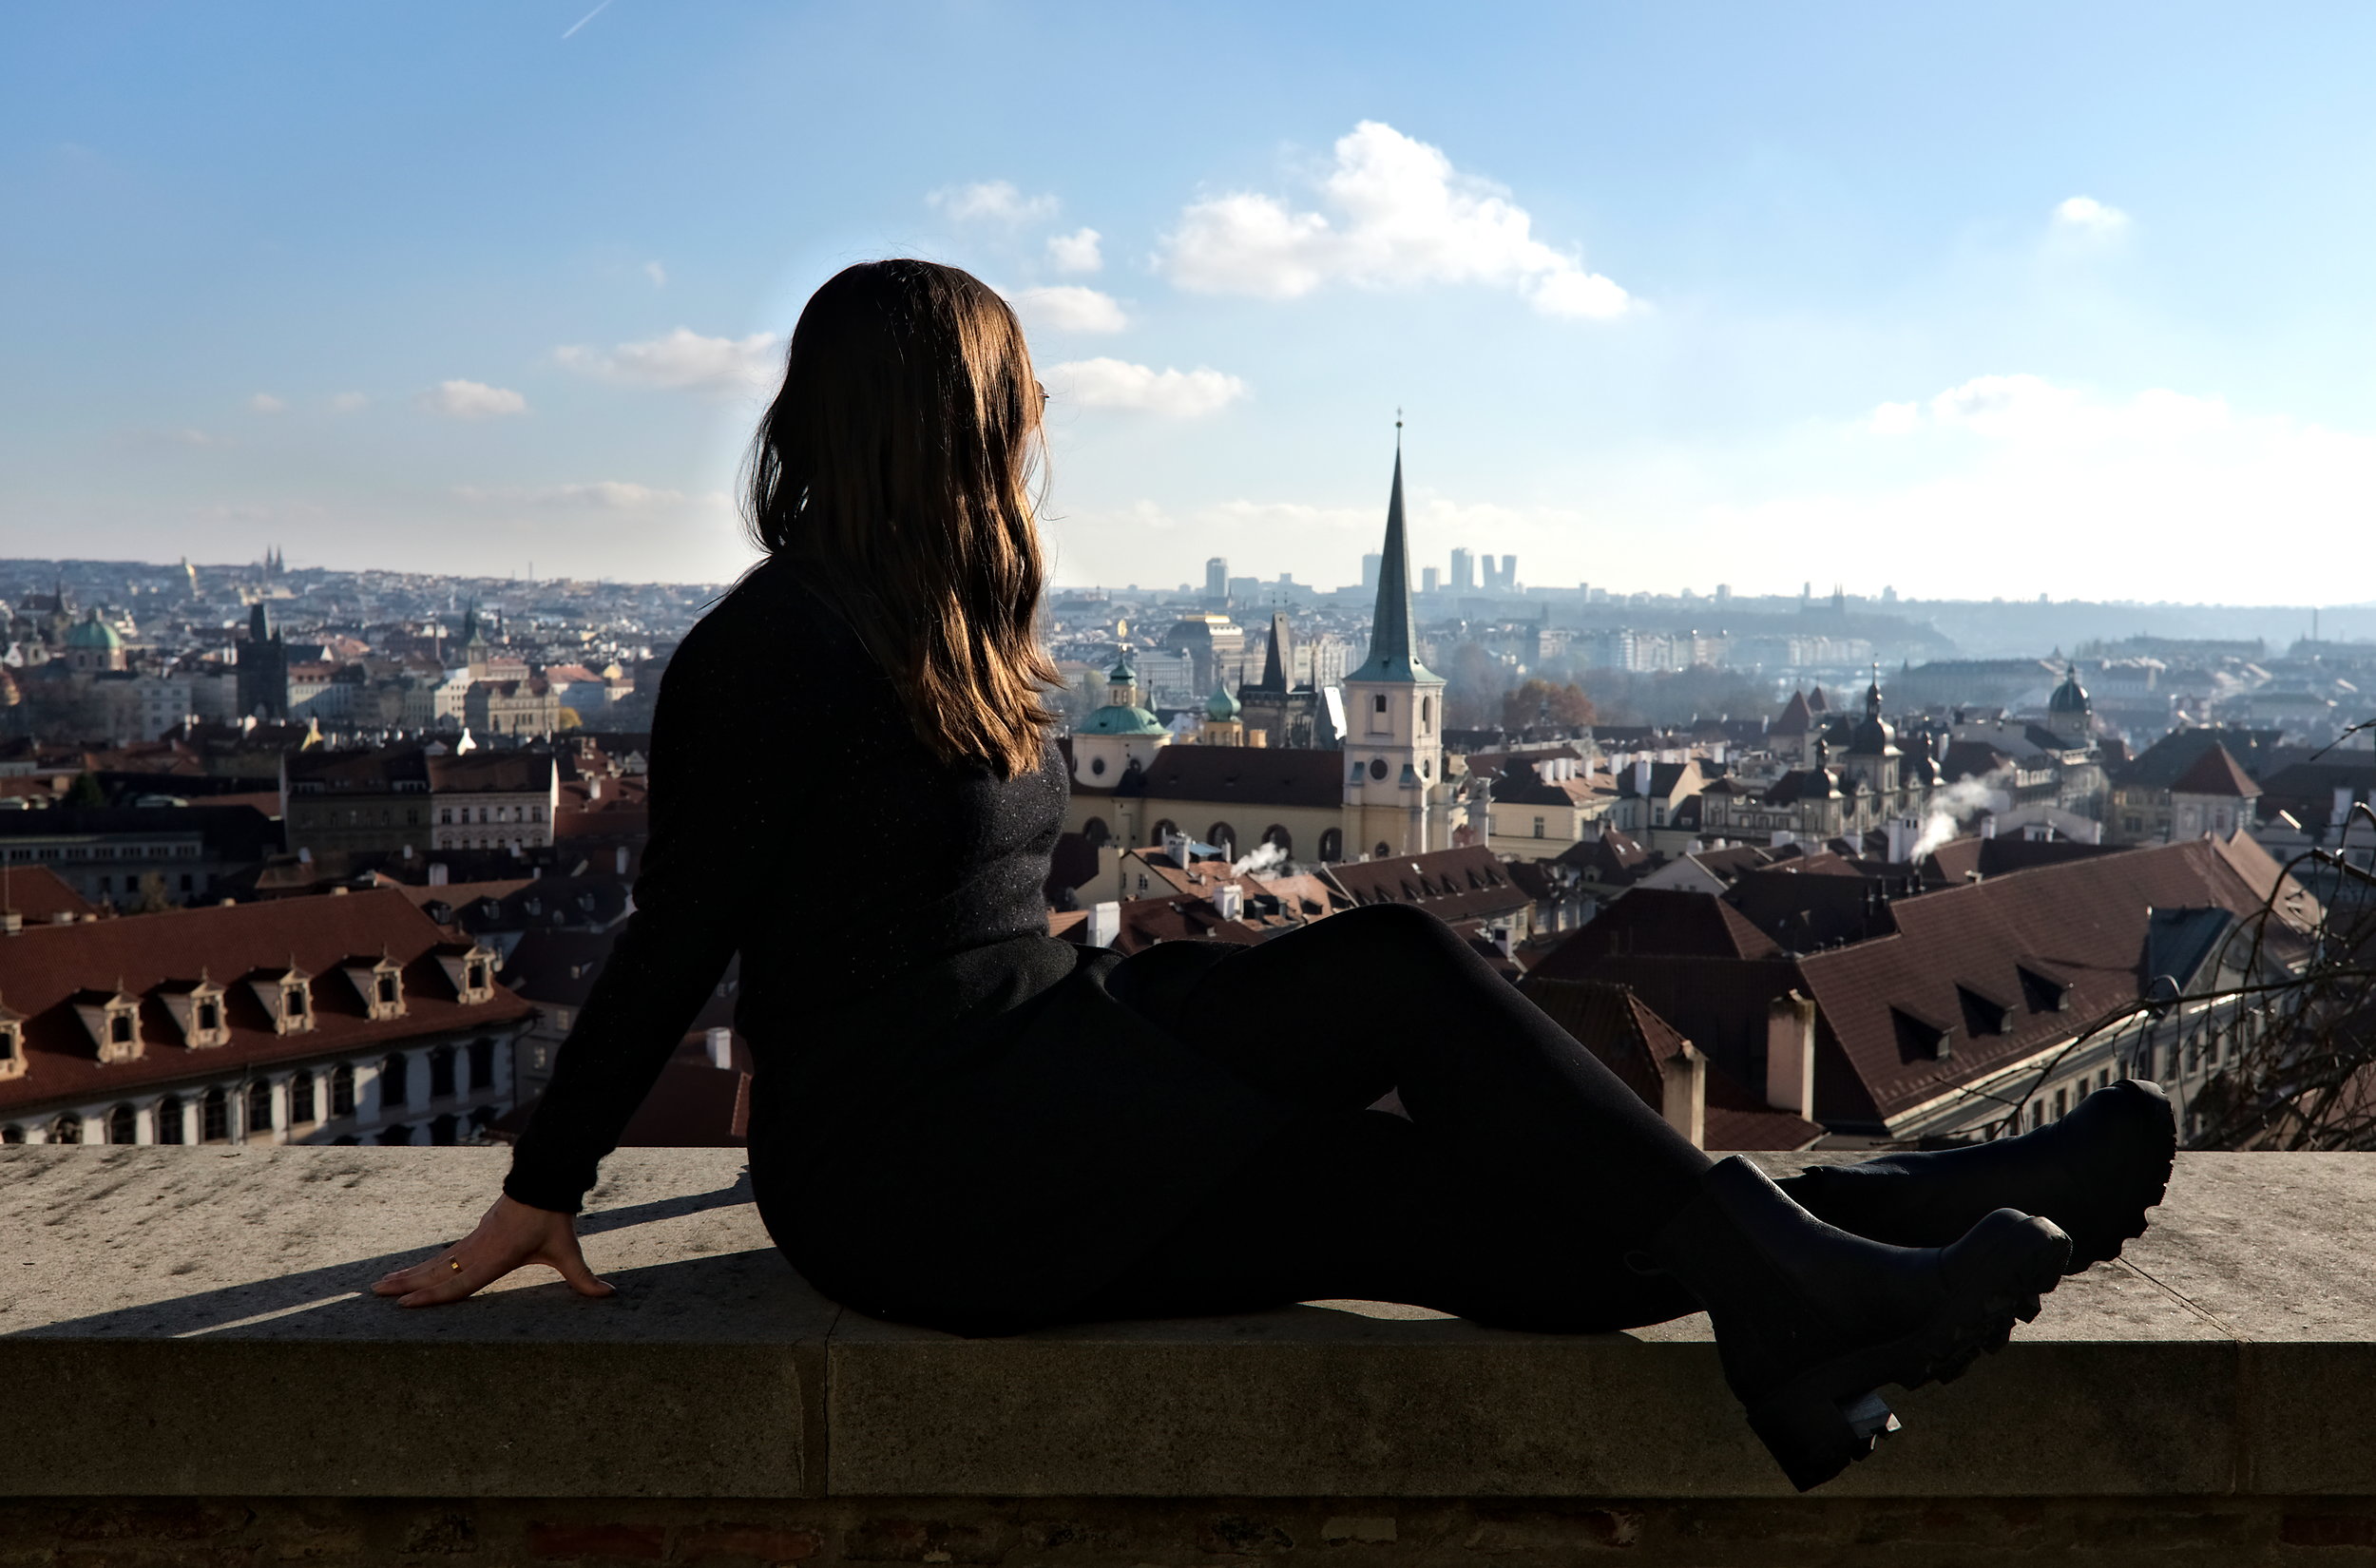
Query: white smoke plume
point(1959, 803)
point(1267, 860)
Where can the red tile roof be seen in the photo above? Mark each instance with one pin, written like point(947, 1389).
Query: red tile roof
point(2215, 773)
point(1661, 921)
point(41, 895)
point(42, 966)
point(1469, 883)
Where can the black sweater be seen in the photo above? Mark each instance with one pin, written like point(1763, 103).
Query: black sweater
point(796, 819)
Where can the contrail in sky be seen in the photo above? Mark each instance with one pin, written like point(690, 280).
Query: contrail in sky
point(587, 17)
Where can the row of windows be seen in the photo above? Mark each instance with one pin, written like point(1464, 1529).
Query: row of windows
point(446, 817)
point(214, 1107)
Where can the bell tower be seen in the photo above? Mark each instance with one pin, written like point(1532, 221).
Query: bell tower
point(1394, 713)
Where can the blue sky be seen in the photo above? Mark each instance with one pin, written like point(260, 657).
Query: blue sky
point(2034, 298)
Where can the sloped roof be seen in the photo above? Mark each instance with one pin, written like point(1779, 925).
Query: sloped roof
point(43, 965)
point(1797, 716)
point(1469, 883)
point(2085, 922)
point(1618, 1026)
point(1658, 920)
point(2215, 773)
point(41, 895)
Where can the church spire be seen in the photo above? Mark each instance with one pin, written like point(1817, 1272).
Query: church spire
point(1276, 662)
point(1391, 649)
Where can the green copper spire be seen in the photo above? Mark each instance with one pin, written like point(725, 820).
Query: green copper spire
point(1391, 658)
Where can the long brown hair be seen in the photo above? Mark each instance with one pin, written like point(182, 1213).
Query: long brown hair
point(893, 470)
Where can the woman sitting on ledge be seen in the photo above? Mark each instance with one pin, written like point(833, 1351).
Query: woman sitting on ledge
point(962, 1121)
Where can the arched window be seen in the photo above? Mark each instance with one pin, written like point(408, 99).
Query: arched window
point(1277, 835)
point(1221, 836)
point(441, 1130)
point(1331, 845)
point(258, 1106)
point(67, 1129)
point(482, 1065)
point(342, 1090)
point(1381, 852)
point(395, 1136)
point(122, 1126)
point(1163, 828)
point(441, 1073)
point(1427, 710)
point(169, 1120)
point(1096, 831)
point(395, 1088)
point(214, 1117)
point(301, 1106)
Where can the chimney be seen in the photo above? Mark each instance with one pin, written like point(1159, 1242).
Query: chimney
point(437, 874)
point(1790, 1055)
point(1988, 827)
point(1104, 925)
point(10, 922)
point(1229, 901)
point(1902, 839)
point(721, 1043)
point(1684, 1093)
point(305, 856)
point(1642, 776)
point(408, 852)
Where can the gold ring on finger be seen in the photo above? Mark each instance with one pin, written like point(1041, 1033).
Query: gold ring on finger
point(454, 1263)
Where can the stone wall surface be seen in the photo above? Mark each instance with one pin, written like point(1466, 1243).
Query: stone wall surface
point(188, 1343)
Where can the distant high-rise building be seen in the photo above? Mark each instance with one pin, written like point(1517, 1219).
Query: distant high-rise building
point(1724, 593)
point(1370, 571)
point(1465, 571)
point(1429, 578)
point(1216, 577)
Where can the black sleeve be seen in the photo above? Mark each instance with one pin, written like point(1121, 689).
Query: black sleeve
point(709, 827)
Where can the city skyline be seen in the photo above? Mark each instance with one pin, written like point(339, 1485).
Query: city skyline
point(1873, 298)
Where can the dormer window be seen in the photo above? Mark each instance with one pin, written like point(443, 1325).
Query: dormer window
point(112, 1018)
point(286, 996)
point(378, 984)
point(196, 1008)
point(470, 968)
point(12, 1042)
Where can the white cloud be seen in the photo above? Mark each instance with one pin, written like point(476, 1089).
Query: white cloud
point(472, 400)
point(683, 362)
point(348, 402)
point(1397, 215)
point(991, 201)
point(1119, 384)
point(657, 273)
point(2031, 410)
point(1075, 252)
point(614, 495)
point(2084, 215)
point(267, 403)
point(1068, 307)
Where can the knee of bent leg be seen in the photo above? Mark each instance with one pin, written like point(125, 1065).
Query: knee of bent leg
point(1383, 928)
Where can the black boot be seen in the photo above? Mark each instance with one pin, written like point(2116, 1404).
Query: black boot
point(1811, 1322)
point(2094, 1173)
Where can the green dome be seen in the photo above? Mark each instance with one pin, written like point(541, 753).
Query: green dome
point(1221, 706)
point(91, 632)
point(1117, 718)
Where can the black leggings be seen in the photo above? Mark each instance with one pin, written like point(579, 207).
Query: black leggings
point(1525, 1175)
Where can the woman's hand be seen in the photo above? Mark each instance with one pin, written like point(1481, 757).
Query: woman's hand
point(510, 1235)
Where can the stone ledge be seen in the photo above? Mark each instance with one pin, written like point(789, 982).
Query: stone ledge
point(195, 1322)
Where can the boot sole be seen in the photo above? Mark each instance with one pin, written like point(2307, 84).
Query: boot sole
point(1832, 1415)
point(2120, 1218)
